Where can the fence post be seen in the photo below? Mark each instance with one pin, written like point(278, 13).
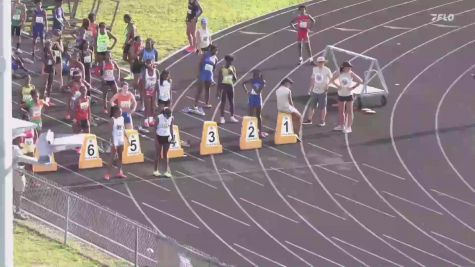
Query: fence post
point(136, 246)
point(66, 228)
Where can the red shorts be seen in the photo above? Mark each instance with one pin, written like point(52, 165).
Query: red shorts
point(302, 35)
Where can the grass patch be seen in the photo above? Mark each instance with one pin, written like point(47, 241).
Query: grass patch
point(164, 20)
point(35, 250)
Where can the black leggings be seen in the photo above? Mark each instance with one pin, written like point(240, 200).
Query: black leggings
point(49, 83)
point(227, 91)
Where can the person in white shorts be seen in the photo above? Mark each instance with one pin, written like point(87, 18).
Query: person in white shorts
point(203, 37)
point(345, 95)
point(321, 76)
point(118, 139)
point(286, 105)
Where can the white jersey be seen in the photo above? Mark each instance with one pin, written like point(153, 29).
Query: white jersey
point(164, 91)
point(150, 80)
point(283, 103)
point(321, 77)
point(118, 131)
point(346, 81)
point(163, 127)
point(205, 37)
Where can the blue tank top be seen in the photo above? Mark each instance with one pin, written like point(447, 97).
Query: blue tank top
point(209, 62)
point(149, 55)
point(39, 14)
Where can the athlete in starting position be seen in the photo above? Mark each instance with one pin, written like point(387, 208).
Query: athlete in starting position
point(304, 24)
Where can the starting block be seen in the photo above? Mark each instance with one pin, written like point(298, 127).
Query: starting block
point(284, 132)
point(132, 150)
point(52, 167)
point(210, 143)
point(89, 157)
point(249, 134)
point(176, 151)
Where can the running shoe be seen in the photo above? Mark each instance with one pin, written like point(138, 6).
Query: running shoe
point(198, 111)
point(338, 128)
point(143, 130)
point(151, 123)
point(146, 124)
point(20, 216)
point(347, 130)
point(121, 175)
point(300, 60)
point(322, 124)
point(307, 122)
point(67, 117)
point(157, 173)
point(105, 111)
point(190, 49)
point(264, 134)
point(167, 174)
point(233, 119)
point(107, 176)
point(222, 120)
point(208, 106)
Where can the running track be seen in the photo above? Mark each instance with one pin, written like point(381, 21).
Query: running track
point(398, 191)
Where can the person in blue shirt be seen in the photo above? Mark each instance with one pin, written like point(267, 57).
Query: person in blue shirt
point(206, 78)
point(58, 16)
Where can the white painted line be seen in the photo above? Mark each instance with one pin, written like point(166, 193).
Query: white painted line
point(198, 180)
point(243, 177)
point(252, 33)
point(383, 171)
point(290, 175)
point(291, 30)
point(170, 215)
point(140, 209)
point(220, 213)
point(327, 150)
point(445, 26)
point(396, 27)
point(346, 29)
point(195, 157)
point(455, 241)
point(420, 250)
point(454, 198)
point(268, 210)
point(364, 250)
point(337, 173)
point(316, 207)
point(280, 151)
point(413, 203)
point(147, 181)
point(313, 253)
point(364, 205)
point(259, 255)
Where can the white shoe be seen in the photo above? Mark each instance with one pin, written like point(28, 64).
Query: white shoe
point(338, 128)
point(233, 119)
point(347, 130)
point(222, 120)
point(300, 60)
point(322, 124)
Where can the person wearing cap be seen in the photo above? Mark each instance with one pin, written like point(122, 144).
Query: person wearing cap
point(286, 105)
point(321, 76)
point(164, 136)
point(345, 87)
point(194, 12)
point(304, 23)
point(203, 37)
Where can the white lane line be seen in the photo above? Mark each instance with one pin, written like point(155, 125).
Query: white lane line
point(290, 175)
point(195, 157)
point(445, 26)
point(268, 210)
point(147, 181)
point(383, 171)
point(413, 203)
point(420, 250)
point(198, 180)
point(220, 213)
point(141, 210)
point(327, 150)
point(337, 173)
point(291, 30)
point(170, 215)
point(455, 241)
point(454, 198)
point(243, 177)
point(396, 27)
point(364, 250)
point(346, 29)
point(316, 207)
point(252, 33)
point(364, 205)
point(437, 131)
point(280, 151)
point(259, 255)
point(313, 253)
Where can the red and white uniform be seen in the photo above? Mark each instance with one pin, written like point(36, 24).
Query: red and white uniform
point(150, 82)
point(303, 23)
point(125, 101)
point(108, 74)
point(83, 109)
